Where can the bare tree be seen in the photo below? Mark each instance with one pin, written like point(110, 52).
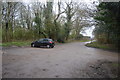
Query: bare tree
point(70, 12)
point(56, 19)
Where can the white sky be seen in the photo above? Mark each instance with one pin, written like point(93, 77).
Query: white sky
point(48, 0)
point(59, 0)
point(88, 31)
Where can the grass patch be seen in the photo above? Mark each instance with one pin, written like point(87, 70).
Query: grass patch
point(69, 41)
point(115, 64)
point(84, 40)
point(101, 46)
point(27, 43)
point(8, 44)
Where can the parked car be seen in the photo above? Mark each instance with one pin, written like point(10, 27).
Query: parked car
point(45, 42)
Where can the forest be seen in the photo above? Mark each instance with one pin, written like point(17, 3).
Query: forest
point(107, 30)
point(59, 21)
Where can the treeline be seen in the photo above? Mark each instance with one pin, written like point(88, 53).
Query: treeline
point(107, 29)
point(59, 21)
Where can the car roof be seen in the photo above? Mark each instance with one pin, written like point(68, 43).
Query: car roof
point(45, 39)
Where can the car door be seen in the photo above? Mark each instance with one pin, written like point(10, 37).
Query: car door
point(45, 42)
point(40, 42)
point(36, 43)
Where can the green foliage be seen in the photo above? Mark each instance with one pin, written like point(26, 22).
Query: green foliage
point(0, 35)
point(67, 30)
point(108, 28)
point(75, 36)
point(35, 21)
point(7, 44)
point(78, 37)
point(101, 46)
point(49, 24)
point(61, 35)
point(7, 35)
point(49, 29)
point(18, 34)
point(38, 26)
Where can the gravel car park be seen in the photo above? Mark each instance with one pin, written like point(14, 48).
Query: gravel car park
point(70, 60)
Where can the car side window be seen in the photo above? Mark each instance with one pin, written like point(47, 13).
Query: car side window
point(45, 40)
point(40, 40)
point(50, 40)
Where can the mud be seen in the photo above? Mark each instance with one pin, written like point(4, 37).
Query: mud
point(71, 60)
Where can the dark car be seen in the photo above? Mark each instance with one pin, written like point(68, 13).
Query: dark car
point(45, 42)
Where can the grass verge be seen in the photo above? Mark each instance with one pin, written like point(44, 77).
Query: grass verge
point(8, 44)
point(101, 46)
point(27, 43)
point(82, 40)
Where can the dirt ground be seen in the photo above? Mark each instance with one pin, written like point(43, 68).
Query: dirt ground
point(70, 60)
point(0, 62)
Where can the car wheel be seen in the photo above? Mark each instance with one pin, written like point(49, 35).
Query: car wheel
point(48, 46)
point(52, 46)
point(33, 45)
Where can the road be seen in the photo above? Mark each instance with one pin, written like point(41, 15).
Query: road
point(70, 60)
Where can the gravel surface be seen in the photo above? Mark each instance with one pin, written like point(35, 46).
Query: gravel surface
point(70, 60)
point(0, 63)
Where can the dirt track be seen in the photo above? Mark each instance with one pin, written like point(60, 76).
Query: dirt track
point(0, 62)
point(71, 60)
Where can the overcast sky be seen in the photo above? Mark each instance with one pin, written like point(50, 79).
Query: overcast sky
point(60, 0)
point(48, 0)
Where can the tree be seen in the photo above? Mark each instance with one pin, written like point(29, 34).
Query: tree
point(56, 23)
point(29, 21)
point(108, 22)
point(49, 26)
point(39, 19)
point(8, 18)
point(70, 11)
